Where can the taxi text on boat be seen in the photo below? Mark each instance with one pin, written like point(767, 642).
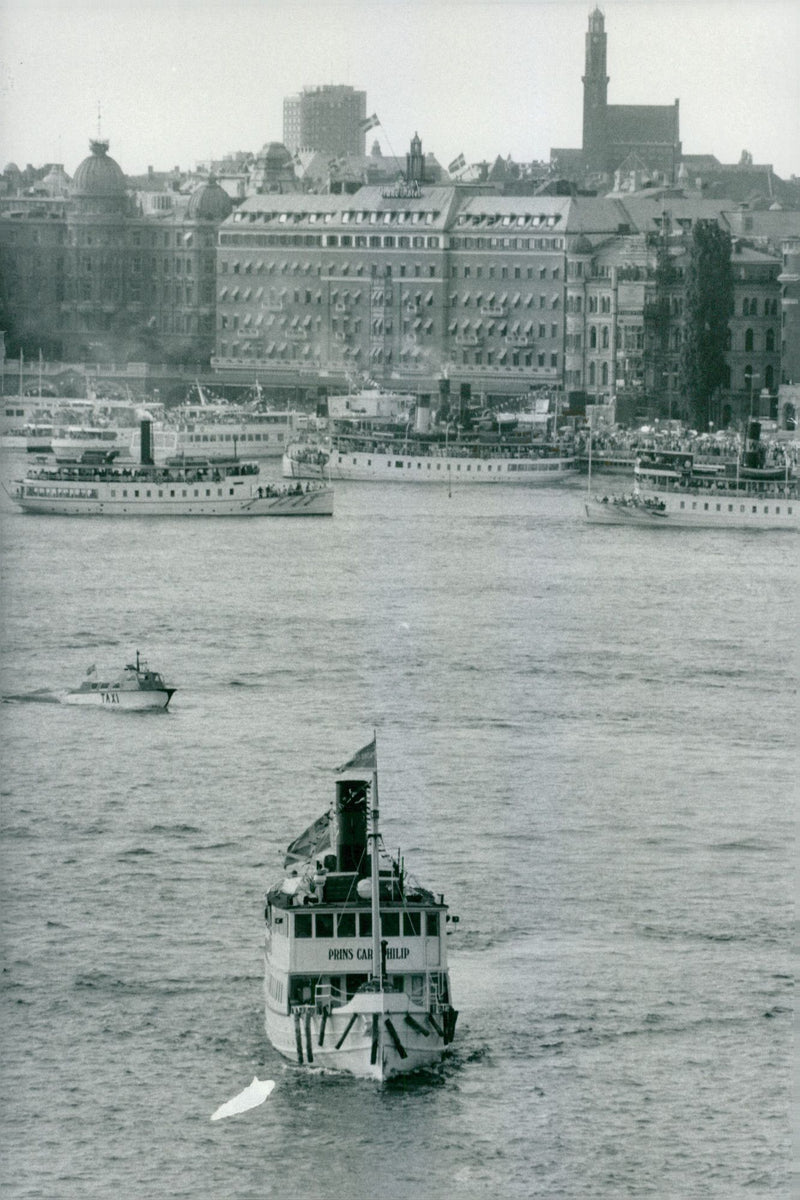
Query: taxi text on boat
point(137, 687)
point(355, 953)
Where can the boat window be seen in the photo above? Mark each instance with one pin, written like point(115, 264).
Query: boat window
point(354, 982)
point(412, 923)
point(417, 989)
point(365, 924)
point(432, 924)
point(302, 925)
point(346, 925)
point(302, 987)
point(324, 925)
point(390, 924)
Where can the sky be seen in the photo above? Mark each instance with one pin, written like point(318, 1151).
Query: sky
point(182, 81)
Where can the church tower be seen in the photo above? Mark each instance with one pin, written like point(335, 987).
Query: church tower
point(415, 162)
point(595, 95)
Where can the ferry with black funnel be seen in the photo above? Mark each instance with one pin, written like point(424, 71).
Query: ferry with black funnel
point(356, 975)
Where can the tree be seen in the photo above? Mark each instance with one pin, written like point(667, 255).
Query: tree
point(707, 306)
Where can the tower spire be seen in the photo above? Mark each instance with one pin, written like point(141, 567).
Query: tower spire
point(595, 94)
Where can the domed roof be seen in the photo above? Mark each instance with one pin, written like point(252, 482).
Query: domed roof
point(276, 154)
point(209, 202)
point(98, 175)
point(582, 245)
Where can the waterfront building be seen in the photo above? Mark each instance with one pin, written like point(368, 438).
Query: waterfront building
point(104, 276)
point(329, 118)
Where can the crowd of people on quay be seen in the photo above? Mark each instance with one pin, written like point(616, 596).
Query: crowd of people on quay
point(704, 447)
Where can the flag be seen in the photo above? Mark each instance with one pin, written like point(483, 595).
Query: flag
point(92, 670)
point(364, 759)
point(457, 164)
point(312, 841)
point(369, 123)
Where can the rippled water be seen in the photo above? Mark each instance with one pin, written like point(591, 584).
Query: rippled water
point(587, 740)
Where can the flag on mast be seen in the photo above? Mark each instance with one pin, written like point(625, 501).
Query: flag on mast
point(364, 759)
point(369, 123)
point(457, 164)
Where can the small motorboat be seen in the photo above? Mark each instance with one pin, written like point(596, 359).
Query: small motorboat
point(136, 688)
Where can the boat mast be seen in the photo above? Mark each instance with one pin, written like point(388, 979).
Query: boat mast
point(377, 956)
point(589, 480)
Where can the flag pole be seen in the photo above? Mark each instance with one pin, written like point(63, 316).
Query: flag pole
point(377, 957)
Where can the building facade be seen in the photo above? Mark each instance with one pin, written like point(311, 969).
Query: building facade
point(106, 276)
point(329, 118)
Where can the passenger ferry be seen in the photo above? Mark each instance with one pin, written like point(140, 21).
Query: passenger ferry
point(215, 428)
point(136, 688)
point(71, 442)
point(352, 457)
point(179, 488)
point(671, 491)
point(355, 952)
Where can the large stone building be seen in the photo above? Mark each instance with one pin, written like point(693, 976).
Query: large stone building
point(107, 275)
point(618, 136)
point(330, 118)
point(506, 294)
point(400, 282)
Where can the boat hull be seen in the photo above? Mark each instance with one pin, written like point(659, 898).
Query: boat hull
point(375, 1036)
point(314, 503)
point(691, 509)
point(121, 698)
point(368, 467)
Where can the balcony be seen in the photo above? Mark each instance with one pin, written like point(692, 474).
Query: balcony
point(494, 310)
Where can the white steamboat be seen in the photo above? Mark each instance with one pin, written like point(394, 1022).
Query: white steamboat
point(179, 487)
point(377, 460)
point(672, 492)
point(356, 974)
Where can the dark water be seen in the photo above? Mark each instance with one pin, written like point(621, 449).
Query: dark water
point(587, 740)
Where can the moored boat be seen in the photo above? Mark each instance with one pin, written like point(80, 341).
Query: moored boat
point(670, 493)
point(408, 460)
point(355, 954)
point(137, 687)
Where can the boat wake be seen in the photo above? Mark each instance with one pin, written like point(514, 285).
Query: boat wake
point(41, 696)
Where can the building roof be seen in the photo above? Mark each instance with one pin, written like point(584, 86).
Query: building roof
point(642, 124)
point(209, 202)
point(99, 174)
point(363, 211)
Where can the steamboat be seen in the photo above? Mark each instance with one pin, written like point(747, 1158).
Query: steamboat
point(99, 486)
point(356, 976)
point(672, 491)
